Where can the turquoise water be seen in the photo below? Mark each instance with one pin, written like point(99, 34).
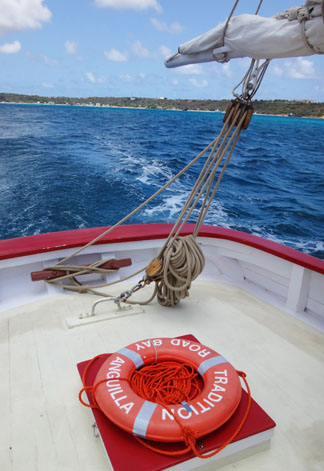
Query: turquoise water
point(66, 167)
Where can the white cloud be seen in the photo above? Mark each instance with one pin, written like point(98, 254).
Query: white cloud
point(115, 55)
point(191, 69)
point(126, 78)
point(10, 48)
point(165, 51)
point(93, 79)
point(244, 62)
point(43, 58)
point(198, 84)
point(277, 70)
point(226, 69)
point(300, 69)
point(47, 85)
point(129, 4)
point(175, 82)
point(17, 15)
point(162, 26)
point(71, 47)
point(131, 78)
point(140, 51)
point(48, 61)
point(320, 88)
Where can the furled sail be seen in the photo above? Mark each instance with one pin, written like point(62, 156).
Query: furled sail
point(299, 31)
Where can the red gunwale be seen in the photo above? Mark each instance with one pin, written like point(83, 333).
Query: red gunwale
point(42, 243)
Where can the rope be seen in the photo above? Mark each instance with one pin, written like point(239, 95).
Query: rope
point(136, 210)
point(227, 137)
point(181, 260)
point(230, 16)
point(222, 43)
point(258, 8)
point(302, 14)
point(85, 288)
point(167, 383)
point(77, 270)
point(190, 436)
point(227, 22)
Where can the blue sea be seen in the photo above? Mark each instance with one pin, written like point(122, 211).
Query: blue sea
point(69, 167)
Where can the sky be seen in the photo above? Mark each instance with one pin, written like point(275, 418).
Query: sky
point(82, 48)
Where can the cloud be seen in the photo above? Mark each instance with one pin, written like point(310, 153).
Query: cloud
point(198, 84)
point(47, 85)
point(10, 48)
point(226, 69)
point(191, 69)
point(48, 61)
point(22, 14)
point(172, 28)
point(126, 78)
point(300, 69)
point(42, 58)
point(165, 51)
point(115, 55)
point(129, 4)
point(244, 62)
point(277, 70)
point(71, 47)
point(131, 78)
point(93, 79)
point(140, 51)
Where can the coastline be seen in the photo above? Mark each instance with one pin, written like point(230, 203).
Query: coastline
point(275, 107)
point(84, 105)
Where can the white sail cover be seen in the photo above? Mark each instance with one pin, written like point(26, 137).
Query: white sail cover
point(298, 31)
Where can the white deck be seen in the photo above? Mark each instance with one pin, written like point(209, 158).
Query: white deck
point(44, 427)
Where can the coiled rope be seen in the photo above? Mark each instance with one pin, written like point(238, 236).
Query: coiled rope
point(183, 261)
point(167, 383)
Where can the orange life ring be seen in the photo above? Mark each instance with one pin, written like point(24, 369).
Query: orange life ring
point(218, 400)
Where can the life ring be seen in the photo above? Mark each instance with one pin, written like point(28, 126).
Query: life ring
point(218, 400)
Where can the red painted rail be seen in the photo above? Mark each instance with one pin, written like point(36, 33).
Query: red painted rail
point(42, 243)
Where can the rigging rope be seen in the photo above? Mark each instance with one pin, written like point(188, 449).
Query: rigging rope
point(225, 58)
point(180, 260)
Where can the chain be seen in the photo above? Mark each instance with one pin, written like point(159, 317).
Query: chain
point(123, 297)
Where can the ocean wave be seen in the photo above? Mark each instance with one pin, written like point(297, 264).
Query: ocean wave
point(68, 167)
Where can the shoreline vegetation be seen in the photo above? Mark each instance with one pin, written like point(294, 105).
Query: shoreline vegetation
point(298, 108)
